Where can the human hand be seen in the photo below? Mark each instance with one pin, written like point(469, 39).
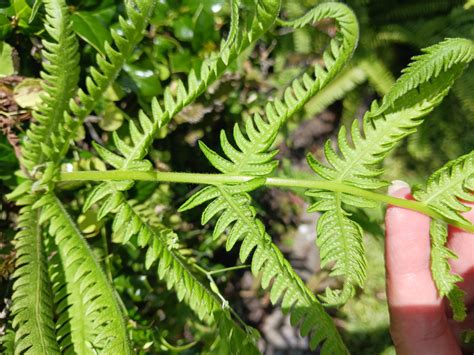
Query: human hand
point(420, 322)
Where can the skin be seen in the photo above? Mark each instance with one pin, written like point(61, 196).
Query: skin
point(420, 321)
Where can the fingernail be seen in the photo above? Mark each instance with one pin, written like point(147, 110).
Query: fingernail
point(397, 185)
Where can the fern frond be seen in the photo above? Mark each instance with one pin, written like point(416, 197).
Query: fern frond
point(232, 204)
point(252, 157)
point(32, 293)
point(126, 38)
point(421, 88)
point(446, 186)
point(444, 279)
point(173, 268)
point(90, 318)
point(61, 74)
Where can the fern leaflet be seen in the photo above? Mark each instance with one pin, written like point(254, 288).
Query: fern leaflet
point(60, 81)
point(130, 33)
point(440, 269)
point(89, 316)
point(442, 192)
point(452, 182)
point(32, 293)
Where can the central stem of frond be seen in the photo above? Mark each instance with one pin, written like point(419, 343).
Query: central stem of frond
point(220, 179)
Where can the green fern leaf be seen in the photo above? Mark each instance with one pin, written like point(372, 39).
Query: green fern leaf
point(442, 192)
point(90, 318)
point(434, 60)
point(445, 280)
point(383, 127)
point(452, 182)
point(61, 74)
point(32, 292)
point(126, 38)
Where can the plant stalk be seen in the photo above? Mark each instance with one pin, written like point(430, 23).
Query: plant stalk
point(218, 179)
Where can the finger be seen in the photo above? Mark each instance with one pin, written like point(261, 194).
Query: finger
point(407, 253)
point(462, 243)
point(418, 322)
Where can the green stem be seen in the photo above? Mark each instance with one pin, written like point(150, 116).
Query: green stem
point(218, 179)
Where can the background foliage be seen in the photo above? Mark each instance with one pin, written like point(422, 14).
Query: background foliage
point(181, 34)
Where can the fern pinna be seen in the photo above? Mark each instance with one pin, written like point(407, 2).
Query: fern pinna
point(63, 302)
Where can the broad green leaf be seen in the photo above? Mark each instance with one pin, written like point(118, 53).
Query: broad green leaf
point(6, 60)
point(91, 30)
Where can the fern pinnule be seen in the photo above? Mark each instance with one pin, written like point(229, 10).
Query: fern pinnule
point(444, 279)
point(409, 100)
point(32, 309)
point(447, 185)
point(90, 318)
point(60, 77)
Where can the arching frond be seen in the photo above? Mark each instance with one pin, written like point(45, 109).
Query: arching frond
point(90, 319)
point(421, 88)
point(32, 293)
point(252, 157)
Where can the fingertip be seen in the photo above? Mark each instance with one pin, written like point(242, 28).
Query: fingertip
point(399, 188)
